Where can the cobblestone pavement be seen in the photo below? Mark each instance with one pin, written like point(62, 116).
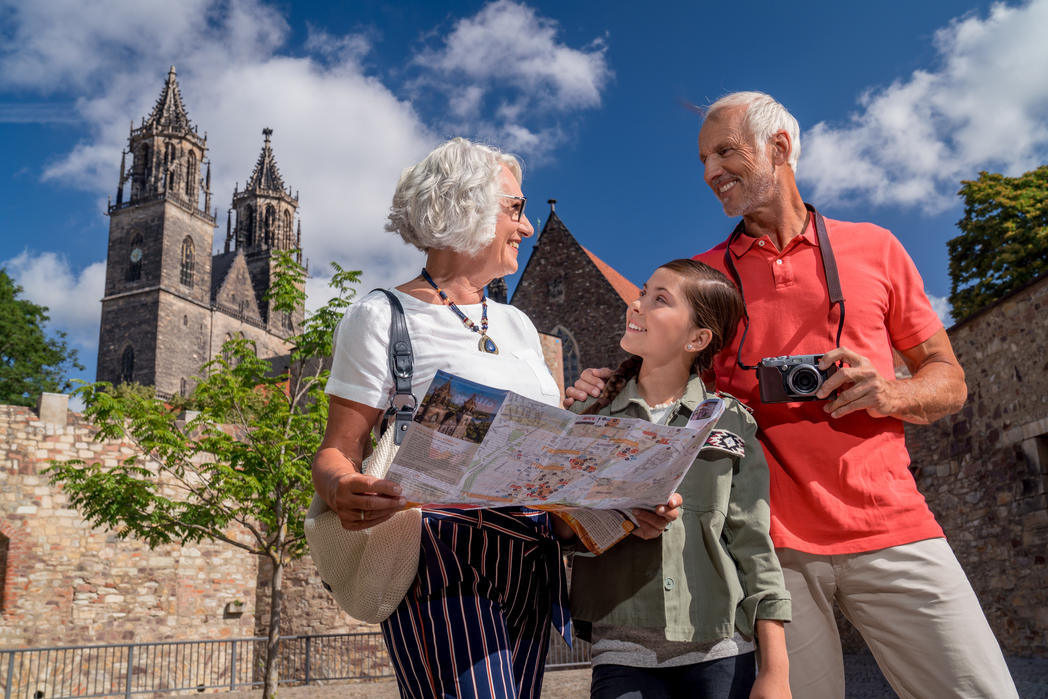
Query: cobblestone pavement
point(864, 681)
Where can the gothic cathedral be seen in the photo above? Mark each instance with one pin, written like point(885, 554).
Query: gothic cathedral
point(170, 303)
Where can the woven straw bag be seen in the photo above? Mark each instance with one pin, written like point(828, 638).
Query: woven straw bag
point(368, 571)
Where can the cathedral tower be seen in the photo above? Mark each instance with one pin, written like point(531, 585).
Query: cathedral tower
point(265, 223)
point(156, 308)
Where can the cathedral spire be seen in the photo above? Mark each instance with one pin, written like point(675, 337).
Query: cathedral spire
point(169, 113)
point(266, 176)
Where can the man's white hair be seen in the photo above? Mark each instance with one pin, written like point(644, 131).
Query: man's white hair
point(449, 199)
point(765, 117)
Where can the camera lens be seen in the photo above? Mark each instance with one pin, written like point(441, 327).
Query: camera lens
point(803, 380)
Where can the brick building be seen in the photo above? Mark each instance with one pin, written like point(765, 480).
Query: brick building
point(169, 304)
point(570, 293)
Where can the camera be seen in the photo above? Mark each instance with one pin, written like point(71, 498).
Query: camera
point(791, 378)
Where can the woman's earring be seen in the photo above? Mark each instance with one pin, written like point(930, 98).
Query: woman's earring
point(688, 347)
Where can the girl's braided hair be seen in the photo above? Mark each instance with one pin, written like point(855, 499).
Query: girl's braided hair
point(716, 304)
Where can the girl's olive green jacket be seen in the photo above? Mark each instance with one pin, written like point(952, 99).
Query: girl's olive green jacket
point(714, 571)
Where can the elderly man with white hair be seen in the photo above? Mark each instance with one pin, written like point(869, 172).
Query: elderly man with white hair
point(848, 522)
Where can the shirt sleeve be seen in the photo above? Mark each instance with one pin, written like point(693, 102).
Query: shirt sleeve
point(911, 319)
point(359, 358)
point(746, 533)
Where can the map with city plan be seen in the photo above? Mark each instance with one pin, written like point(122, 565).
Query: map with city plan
point(475, 446)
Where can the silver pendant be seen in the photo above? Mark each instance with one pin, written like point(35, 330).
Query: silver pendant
point(487, 345)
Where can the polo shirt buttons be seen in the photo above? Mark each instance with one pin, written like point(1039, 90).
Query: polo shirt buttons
point(778, 261)
point(761, 243)
point(668, 584)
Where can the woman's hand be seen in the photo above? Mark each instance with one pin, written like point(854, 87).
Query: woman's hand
point(651, 524)
point(362, 501)
point(359, 500)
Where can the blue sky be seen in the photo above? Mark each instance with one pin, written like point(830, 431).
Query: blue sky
point(897, 101)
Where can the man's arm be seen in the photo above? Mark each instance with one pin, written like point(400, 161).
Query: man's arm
point(935, 389)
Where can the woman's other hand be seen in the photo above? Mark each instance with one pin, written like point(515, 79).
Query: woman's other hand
point(651, 524)
point(359, 500)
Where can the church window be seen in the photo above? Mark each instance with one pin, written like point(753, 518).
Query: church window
point(134, 259)
point(288, 232)
point(127, 365)
point(555, 289)
point(287, 321)
point(5, 546)
point(249, 225)
point(270, 223)
point(185, 321)
point(186, 273)
point(191, 175)
point(182, 386)
point(141, 169)
point(570, 354)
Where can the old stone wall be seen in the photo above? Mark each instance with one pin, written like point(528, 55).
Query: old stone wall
point(67, 582)
point(984, 471)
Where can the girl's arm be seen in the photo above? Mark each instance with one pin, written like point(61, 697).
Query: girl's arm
point(746, 529)
point(360, 501)
point(773, 667)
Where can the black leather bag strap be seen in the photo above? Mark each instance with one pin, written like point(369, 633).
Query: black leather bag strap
point(401, 364)
point(829, 268)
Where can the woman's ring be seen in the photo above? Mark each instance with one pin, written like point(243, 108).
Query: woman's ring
point(361, 515)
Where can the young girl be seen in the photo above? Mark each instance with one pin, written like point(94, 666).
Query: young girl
point(677, 616)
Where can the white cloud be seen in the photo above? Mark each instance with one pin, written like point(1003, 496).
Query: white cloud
point(982, 107)
point(341, 135)
point(501, 89)
point(941, 306)
point(48, 279)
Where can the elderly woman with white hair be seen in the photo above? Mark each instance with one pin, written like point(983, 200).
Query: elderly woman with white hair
point(476, 620)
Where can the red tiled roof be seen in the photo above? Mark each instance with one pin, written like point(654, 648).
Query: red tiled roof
point(627, 290)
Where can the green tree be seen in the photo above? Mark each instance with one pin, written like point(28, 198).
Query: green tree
point(1004, 239)
point(235, 453)
point(30, 361)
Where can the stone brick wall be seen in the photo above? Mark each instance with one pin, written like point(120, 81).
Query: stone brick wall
point(984, 471)
point(67, 582)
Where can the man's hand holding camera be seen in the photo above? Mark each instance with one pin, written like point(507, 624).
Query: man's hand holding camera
point(858, 384)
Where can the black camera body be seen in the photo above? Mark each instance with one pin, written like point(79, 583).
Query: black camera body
point(791, 378)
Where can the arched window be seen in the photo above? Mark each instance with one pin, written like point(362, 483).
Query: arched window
point(186, 274)
point(182, 386)
point(270, 224)
point(249, 225)
point(191, 175)
point(289, 234)
point(134, 258)
point(570, 350)
point(140, 170)
point(127, 365)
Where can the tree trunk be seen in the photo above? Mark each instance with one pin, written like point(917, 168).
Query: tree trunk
point(276, 597)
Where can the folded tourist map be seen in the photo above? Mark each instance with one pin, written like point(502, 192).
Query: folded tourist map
point(476, 446)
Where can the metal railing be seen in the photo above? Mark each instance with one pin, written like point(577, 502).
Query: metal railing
point(128, 669)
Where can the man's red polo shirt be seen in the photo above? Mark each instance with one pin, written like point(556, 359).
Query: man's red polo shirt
point(837, 485)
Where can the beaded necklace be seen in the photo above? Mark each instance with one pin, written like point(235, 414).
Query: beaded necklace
point(486, 344)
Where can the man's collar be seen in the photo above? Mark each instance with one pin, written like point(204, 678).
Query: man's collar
point(744, 243)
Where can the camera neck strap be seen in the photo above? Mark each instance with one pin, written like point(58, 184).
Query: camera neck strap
point(829, 268)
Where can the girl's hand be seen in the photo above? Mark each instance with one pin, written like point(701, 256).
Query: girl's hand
point(650, 525)
point(771, 685)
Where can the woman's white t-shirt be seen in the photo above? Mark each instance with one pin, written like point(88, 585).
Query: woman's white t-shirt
point(439, 340)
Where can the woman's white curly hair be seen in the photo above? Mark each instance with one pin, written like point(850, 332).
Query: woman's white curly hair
point(448, 200)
